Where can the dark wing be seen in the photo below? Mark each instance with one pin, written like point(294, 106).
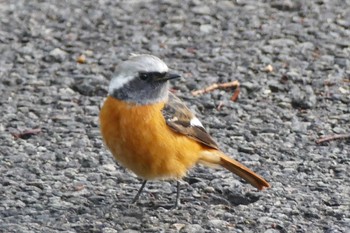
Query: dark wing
point(180, 119)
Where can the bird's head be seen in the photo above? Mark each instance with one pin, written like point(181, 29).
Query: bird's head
point(142, 79)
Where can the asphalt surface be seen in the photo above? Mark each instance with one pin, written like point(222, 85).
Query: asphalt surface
point(290, 57)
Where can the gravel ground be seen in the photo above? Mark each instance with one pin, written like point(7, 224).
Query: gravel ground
point(291, 58)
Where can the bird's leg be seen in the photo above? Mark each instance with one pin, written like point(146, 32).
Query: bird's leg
point(177, 201)
point(139, 192)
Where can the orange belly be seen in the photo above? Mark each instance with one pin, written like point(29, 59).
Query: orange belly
point(140, 140)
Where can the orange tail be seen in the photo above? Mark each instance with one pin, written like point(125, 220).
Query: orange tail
point(218, 158)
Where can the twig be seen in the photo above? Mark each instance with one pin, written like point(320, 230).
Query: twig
point(26, 133)
point(235, 95)
point(332, 137)
point(215, 86)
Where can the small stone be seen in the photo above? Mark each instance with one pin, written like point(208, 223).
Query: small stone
point(92, 110)
point(275, 86)
point(246, 149)
point(206, 28)
point(225, 5)
point(271, 231)
point(338, 130)
point(109, 230)
point(130, 231)
point(217, 223)
point(343, 90)
point(178, 226)
point(286, 5)
point(57, 55)
point(303, 98)
point(193, 228)
point(268, 69)
point(109, 167)
point(201, 10)
point(209, 189)
point(81, 59)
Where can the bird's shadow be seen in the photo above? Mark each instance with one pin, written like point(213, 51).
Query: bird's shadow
point(226, 195)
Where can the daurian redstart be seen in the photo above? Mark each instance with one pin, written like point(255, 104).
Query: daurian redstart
point(152, 133)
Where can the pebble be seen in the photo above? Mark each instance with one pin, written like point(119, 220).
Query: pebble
point(206, 28)
point(201, 10)
point(193, 228)
point(57, 55)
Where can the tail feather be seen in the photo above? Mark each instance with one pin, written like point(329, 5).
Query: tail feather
point(213, 159)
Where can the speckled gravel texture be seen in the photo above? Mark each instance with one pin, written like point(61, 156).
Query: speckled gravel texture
point(64, 180)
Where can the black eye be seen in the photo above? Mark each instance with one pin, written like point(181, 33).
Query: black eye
point(144, 76)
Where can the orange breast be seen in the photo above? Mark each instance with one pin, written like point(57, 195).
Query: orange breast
point(140, 140)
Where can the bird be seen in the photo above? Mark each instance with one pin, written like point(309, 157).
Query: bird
point(152, 133)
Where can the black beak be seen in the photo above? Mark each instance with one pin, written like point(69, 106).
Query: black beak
point(169, 76)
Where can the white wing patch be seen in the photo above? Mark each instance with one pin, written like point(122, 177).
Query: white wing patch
point(196, 122)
